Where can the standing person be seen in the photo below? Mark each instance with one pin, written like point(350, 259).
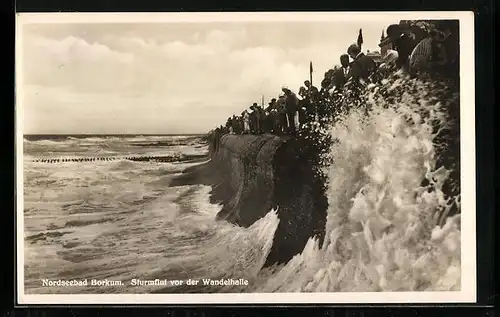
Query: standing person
point(312, 92)
point(234, 125)
point(291, 104)
point(281, 114)
point(229, 125)
point(246, 122)
point(256, 110)
point(451, 47)
point(270, 116)
point(242, 124)
point(253, 120)
point(403, 42)
point(256, 118)
point(265, 121)
point(344, 72)
point(304, 105)
point(313, 97)
point(275, 124)
point(362, 66)
point(430, 53)
point(326, 83)
point(262, 119)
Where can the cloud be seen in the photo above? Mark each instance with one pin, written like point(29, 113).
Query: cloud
point(113, 79)
point(73, 62)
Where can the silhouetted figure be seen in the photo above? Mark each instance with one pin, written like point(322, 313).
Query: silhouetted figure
point(234, 125)
point(312, 92)
point(291, 104)
point(240, 125)
point(254, 119)
point(303, 106)
point(450, 44)
point(362, 66)
point(229, 125)
point(437, 53)
point(272, 116)
point(343, 73)
point(261, 114)
point(251, 119)
point(403, 41)
point(282, 118)
point(313, 99)
point(326, 83)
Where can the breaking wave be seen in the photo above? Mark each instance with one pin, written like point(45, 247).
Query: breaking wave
point(384, 231)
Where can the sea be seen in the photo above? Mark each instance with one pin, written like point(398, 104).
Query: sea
point(117, 219)
point(92, 213)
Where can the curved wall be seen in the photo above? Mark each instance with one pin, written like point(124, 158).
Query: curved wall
point(250, 175)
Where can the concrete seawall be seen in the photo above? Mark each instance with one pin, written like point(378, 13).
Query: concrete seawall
point(250, 175)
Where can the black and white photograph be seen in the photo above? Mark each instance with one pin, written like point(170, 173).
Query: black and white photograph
point(245, 157)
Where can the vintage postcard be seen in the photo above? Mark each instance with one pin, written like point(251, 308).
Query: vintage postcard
point(245, 158)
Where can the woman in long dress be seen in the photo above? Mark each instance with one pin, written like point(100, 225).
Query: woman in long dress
point(246, 122)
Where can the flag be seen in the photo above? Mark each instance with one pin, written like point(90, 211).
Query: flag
point(360, 38)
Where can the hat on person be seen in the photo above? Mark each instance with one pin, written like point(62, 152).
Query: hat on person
point(353, 49)
point(394, 31)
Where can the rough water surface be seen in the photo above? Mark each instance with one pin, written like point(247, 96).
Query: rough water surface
point(385, 229)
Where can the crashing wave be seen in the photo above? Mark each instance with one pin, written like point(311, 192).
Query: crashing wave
point(385, 230)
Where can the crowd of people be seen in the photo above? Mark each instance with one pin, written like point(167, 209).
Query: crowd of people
point(281, 116)
point(416, 47)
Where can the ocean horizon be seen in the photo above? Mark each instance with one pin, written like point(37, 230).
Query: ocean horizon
point(56, 136)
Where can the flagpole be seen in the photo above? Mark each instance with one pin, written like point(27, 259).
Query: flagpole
point(311, 73)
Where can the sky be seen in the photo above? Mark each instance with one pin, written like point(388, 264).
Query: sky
point(170, 78)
